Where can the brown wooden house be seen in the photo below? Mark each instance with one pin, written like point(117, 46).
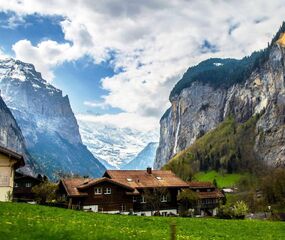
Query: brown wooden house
point(23, 185)
point(209, 197)
point(124, 191)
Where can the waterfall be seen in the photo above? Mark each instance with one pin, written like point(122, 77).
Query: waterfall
point(177, 131)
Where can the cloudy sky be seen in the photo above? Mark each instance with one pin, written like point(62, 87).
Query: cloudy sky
point(118, 60)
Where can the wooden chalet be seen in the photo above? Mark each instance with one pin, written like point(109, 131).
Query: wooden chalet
point(124, 191)
point(23, 185)
point(9, 162)
point(209, 197)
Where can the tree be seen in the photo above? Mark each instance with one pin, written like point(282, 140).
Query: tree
point(187, 199)
point(45, 192)
point(273, 186)
point(154, 197)
point(215, 183)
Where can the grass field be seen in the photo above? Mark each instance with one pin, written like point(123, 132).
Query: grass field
point(223, 180)
point(23, 221)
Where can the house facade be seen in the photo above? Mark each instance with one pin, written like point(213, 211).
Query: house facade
point(141, 192)
point(23, 185)
point(209, 198)
point(9, 162)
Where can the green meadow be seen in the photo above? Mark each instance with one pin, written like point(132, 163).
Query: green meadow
point(24, 221)
point(223, 180)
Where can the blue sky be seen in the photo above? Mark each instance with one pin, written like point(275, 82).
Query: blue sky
point(79, 79)
point(119, 60)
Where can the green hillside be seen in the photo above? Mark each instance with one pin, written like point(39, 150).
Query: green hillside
point(23, 221)
point(223, 179)
point(227, 148)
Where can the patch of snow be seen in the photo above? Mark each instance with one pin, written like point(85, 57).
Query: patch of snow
point(117, 146)
point(218, 64)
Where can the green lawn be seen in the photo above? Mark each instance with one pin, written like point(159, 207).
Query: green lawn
point(23, 221)
point(223, 180)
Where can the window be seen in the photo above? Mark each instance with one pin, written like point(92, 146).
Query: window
point(28, 184)
point(4, 181)
point(16, 185)
point(143, 199)
point(208, 190)
point(134, 199)
point(107, 190)
point(98, 191)
point(163, 198)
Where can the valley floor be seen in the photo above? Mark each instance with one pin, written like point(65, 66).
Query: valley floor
point(24, 221)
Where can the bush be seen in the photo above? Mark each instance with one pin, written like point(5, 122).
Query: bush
point(45, 192)
point(237, 211)
point(240, 209)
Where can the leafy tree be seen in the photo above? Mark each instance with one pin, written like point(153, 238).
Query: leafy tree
point(45, 192)
point(154, 196)
point(273, 186)
point(187, 199)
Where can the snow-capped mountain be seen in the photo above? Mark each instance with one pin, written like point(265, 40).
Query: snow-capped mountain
point(144, 159)
point(117, 146)
point(46, 120)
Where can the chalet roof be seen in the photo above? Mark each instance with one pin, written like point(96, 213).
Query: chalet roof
point(10, 153)
point(71, 184)
point(19, 176)
point(201, 184)
point(143, 179)
point(214, 194)
point(95, 181)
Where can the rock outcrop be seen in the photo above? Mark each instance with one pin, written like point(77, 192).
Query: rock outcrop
point(11, 137)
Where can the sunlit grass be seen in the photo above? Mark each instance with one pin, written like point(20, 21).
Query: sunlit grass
point(23, 221)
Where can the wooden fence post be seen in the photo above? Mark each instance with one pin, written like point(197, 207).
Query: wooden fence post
point(173, 231)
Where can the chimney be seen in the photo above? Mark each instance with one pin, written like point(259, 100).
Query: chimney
point(148, 170)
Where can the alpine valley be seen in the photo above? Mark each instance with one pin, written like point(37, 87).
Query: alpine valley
point(114, 146)
point(227, 114)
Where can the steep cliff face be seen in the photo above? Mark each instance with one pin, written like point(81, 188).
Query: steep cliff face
point(12, 138)
point(201, 105)
point(46, 120)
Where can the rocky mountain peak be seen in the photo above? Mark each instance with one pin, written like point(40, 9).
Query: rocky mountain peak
point(47, 121)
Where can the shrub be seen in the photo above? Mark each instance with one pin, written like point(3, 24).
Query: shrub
point(240, 209)
point(237, 211)
point(44, 192)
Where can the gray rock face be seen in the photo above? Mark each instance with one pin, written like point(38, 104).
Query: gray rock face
point(12, 138)
point(46, 120)
point(200, 107)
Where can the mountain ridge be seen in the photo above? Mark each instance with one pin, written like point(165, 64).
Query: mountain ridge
point(46, 120)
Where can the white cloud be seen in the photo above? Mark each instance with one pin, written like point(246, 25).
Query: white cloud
point(96, 104)
point(121, 120)
point(3, 55)
point(13, 21)
point(44, 56)
point(154, 41)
